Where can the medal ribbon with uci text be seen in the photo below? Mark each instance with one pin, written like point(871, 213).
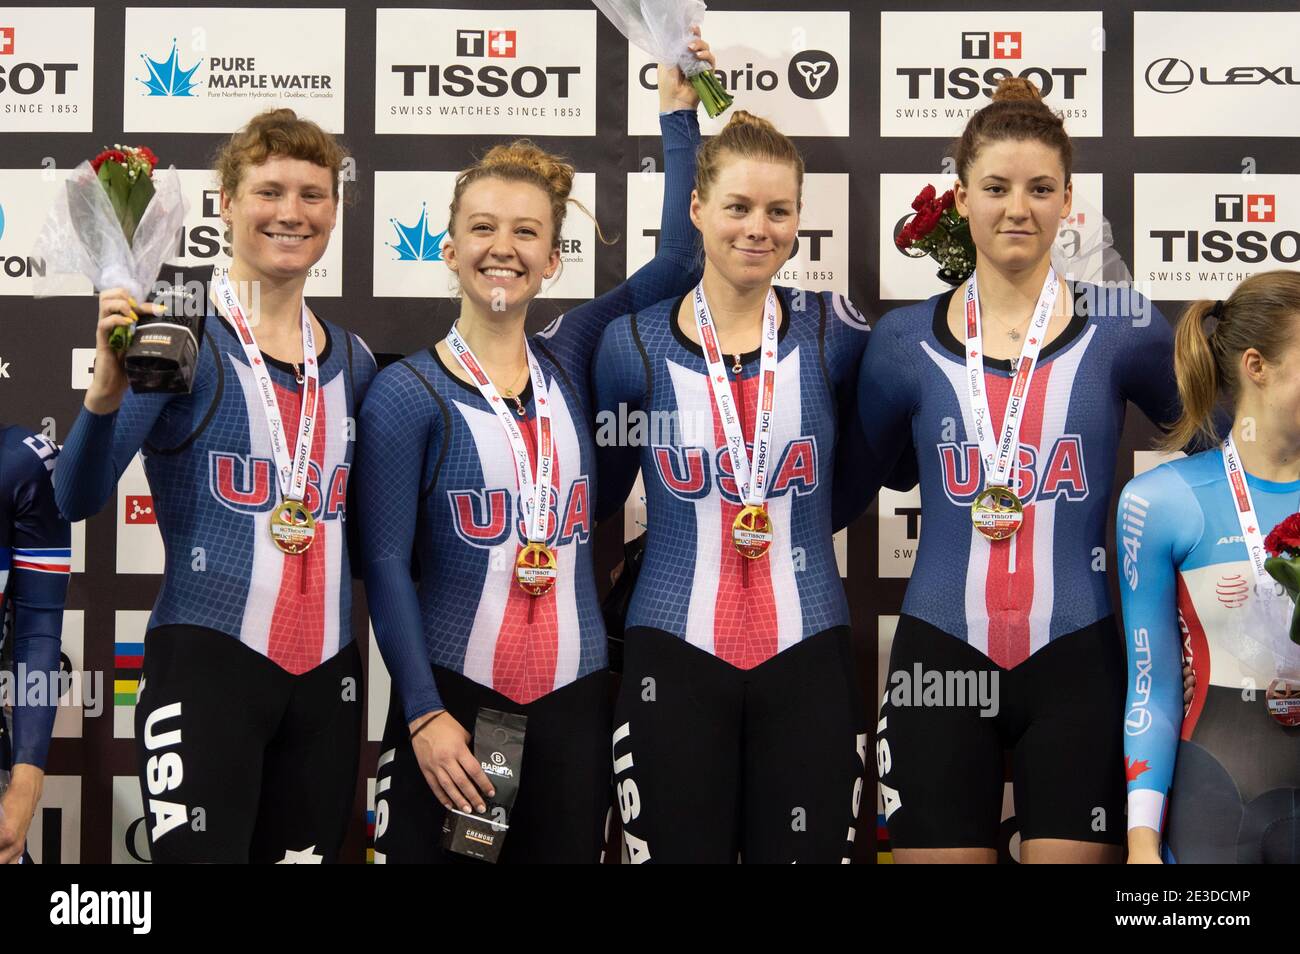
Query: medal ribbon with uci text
point(751, 533)
point(535, 566)
point(293, 528)
point(997, 511)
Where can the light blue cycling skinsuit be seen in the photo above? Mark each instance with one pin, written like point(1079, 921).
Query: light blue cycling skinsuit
point(1222, 778)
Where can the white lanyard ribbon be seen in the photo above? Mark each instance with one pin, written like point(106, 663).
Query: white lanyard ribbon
point(1000, 458)
point(751, 482)
point(536, 493)
point(1250, 534)
point(292, 475)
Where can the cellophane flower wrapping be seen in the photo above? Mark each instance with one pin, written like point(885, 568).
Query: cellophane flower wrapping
point(82, 237)
point(661, 28)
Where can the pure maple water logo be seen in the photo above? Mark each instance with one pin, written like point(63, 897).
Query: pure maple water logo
point(415, 243)
point(167, 77)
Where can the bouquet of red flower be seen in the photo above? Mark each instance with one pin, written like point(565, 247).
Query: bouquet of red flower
point(115, 223)
point(1283, 563)
point(938, 231)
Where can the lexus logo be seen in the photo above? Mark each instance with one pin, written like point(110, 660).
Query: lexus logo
point(813, 74)
point(1169, 75)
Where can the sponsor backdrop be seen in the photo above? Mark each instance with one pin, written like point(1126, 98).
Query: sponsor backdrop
point(1183, 122)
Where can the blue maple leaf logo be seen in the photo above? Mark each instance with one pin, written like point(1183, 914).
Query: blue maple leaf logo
point(168, 77)
point(415, 243)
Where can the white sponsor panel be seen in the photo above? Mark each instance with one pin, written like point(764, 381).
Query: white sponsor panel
point(47, 69)
point(206, 239)
point(379, 687)
point(57, 822)
point(1216, 74)
point(130, 827)
point(820, 258)
point(190, 69)
point(129, 626)
point(79, 547)
point(69, 718)
point(938, 68)
point(789, 67)
point(1199, 235)
point(83, 368)
point(900, 531)
point(913, 276)
point(139, 544)
point(1144, 460)
point(26, 196)
point(411, 228)
point(463, 72)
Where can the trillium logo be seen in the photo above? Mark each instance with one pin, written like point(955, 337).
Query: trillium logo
point(167, 77)
point(813, 74)
point(415, 243)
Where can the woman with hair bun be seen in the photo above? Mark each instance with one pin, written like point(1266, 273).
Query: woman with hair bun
point(248, 719)
point(1220, 780)
point(739, 729)
point(1014, 389)
point(478, 454)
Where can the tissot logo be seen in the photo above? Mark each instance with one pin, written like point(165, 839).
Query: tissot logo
point(1004, 46)
point(1255, 208)
point(527, 72)
point(168, 77)
point(1200, 236)
point(935, 75)
point(813, 74)
point(6, 41)
point(473, 43)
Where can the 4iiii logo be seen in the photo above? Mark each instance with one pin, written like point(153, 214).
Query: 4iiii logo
point(1063, 474)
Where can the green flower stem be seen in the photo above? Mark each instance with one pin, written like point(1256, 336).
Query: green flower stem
point(716, 100)
point(1286, 570)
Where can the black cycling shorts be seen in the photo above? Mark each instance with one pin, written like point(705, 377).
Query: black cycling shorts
point(560, 810)
point(941, 752)
point(240, 761)
point(1235, 797)
point(715, 764)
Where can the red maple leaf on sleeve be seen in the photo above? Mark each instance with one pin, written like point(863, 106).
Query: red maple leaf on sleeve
point(1133, 769)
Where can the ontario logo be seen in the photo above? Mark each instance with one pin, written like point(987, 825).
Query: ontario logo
point(415, 243)
point(167, 77)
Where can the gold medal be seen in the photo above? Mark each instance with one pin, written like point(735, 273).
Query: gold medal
point(535, 569)
point(997, 512)
point(1283, 700)
point(292, 527)
point(751, 533)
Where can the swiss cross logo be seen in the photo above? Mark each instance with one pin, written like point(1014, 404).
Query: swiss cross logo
point(6, 41)
point(1260, 208)
point(501, 43)
point(1000, 45)
point(139, 509)
point(1006, 46)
